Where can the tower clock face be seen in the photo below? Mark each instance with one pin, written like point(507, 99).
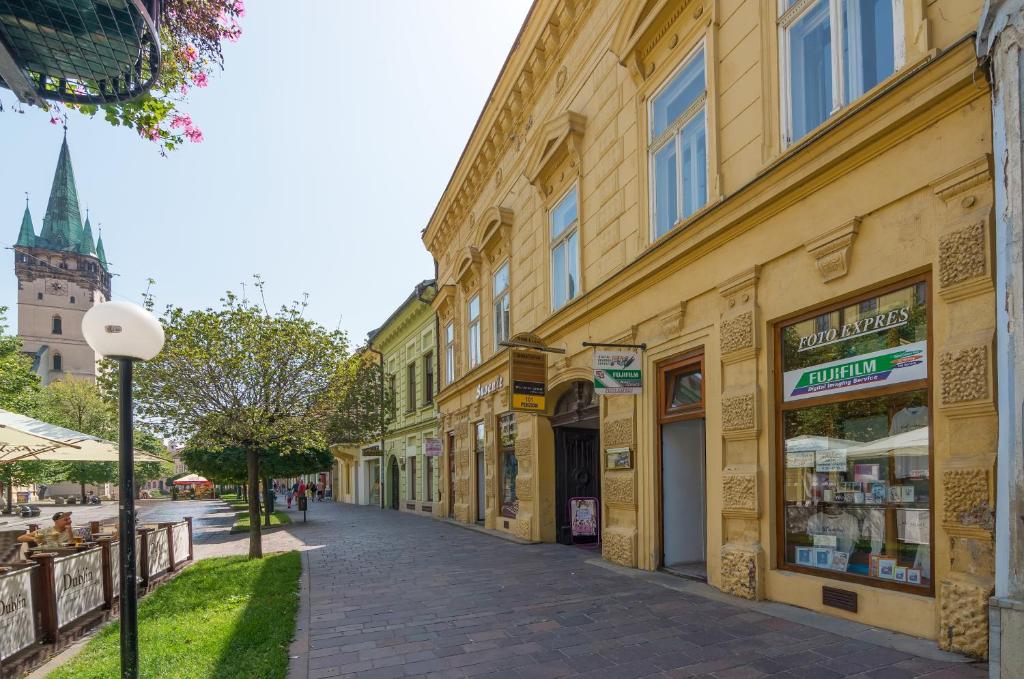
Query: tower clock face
point(57, 287)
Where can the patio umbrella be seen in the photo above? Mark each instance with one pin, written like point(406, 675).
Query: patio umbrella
point(190, 479)
point(26, 438)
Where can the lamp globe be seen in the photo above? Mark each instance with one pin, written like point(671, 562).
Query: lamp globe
point(123, 330)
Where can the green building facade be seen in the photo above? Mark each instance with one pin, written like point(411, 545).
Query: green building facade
point(411, 459)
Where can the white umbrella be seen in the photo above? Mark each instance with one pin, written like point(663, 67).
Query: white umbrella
point(26, 438)
point(190, 479)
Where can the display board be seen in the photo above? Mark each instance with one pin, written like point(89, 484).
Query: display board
point(17, 615)
point(179, 532)
point(158, 552)
point(78, 583)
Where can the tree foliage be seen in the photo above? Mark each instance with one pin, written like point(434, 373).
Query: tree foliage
point(228, 466)
point(19, 386)
point(241, 377)
point(363, 402)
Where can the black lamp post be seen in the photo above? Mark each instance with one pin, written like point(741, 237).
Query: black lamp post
point(127, 333)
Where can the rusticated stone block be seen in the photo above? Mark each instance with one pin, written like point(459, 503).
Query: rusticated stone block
point(738, 412)
point(618, 433)
point(619, 488)
point(964, 374)
point(739, 571)
point(524, 486)
point(737, 333)
point(967, 497)
point(522, 528)
point(524, 447)
point(619, 547)
point(963, 617)
point(962, 255)
point(739, 491)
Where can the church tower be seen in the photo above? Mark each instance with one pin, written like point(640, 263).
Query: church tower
point(61, 273)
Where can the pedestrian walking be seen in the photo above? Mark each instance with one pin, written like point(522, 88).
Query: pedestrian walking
point(302, 488)
point(320, 492)
point(288, 496)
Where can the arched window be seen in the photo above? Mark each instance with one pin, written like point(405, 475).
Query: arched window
point(72, 299)
point(57, 329)
point(58, 363)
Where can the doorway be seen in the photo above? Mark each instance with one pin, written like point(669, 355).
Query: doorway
point(683, 467)
point(451, 475)
point(393, 474)
point(577, 459)
point(481, 470)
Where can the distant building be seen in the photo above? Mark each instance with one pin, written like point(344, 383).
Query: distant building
point(62, 272)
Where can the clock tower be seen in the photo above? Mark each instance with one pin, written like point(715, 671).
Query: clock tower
point(62, 272)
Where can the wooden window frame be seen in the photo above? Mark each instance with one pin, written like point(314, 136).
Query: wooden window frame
point(925, 385)
point(668, 371)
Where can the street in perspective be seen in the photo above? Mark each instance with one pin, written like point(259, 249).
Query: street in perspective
point(512, 338)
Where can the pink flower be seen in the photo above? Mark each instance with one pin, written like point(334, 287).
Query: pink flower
point(194, 135)
point(199, 79)
point(54, 120)
point(239, 8)
point(183, 89)
point(181, 120)
point(190, 54)
point(151, 133)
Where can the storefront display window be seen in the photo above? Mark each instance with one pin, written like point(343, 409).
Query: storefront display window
point(856, 447)
point(509, 465)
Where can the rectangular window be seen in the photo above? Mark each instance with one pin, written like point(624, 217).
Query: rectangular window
point(428, 378)
point(449, 353)
point(411, 466)
point(678, 146)
point(856, 443)
point(410, 388)
point(509, 465)
point(501, 305)
point(428, 478)
point(474, 331)
point(833, 51)
point(565, 250)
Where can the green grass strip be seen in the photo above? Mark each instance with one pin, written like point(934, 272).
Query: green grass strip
point(242, 521)
point(223, 618)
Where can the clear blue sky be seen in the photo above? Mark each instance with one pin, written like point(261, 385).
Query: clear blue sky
point(330, 136)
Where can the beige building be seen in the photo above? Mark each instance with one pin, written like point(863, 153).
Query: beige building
point(62, 272)
point(785, 211)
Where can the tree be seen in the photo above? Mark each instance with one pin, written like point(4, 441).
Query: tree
point(26, 472)
point(240, 377)
point(84, 473)
point(150, 471)
point(363, 402)
point(19, 385)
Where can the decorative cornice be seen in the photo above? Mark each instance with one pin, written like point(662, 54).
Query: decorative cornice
point(962, 179)
point(494, 226)
point(560, 135)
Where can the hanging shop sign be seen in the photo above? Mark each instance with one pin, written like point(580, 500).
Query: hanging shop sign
point(490, 387)
point(528, 375)
point(617, 372)
point(905, 363)
point(17, 616)
point(78, 581)
point(432, 446)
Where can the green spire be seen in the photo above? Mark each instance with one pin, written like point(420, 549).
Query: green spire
point(100, 254)
point(85, 242)
point(62, 224)
point(27, 235)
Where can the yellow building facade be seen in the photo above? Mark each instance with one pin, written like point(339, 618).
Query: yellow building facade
point(784, 209)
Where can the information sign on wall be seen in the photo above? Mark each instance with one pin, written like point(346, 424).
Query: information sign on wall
point(529, 376)
point(432, 446)
point(617, 372)
point(17, 624)
point(78, 581)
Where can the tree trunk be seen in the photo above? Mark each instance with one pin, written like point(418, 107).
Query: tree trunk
point(269, 501)
point(82, 485)
point(10, 499)
point(255, 536)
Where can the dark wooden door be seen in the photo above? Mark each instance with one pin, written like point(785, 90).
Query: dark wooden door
point(451, 475)
point(394, 483)
point(577, 474)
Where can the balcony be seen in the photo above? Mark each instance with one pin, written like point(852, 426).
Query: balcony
point(79, 51)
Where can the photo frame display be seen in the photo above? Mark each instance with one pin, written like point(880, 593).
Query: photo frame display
point(913, 576)
point(618, 458)
point(823, 557)
point(805, 556)
point(887, 568)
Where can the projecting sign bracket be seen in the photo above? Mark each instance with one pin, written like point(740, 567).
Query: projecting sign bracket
point(616, 345)
point(513, 344)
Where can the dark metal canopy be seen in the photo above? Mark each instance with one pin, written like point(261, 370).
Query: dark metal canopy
point(79, 51)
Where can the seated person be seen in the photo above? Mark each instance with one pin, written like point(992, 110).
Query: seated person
point(59, 535)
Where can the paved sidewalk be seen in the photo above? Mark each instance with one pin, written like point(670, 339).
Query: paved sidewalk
point(389, 594)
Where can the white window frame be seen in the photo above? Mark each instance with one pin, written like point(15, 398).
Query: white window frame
point(473, 349)
point(497, 298)
point(789, 16)
point(674, 132)
point(449, 353)
point(564, 238)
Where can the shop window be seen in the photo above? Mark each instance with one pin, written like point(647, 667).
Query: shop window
point(474, 331)
point(411, 466)
point(428, 478)
point(833, 51)
point(565, 250)
point(678, 146)
point(428, 378)
point(855, 452)
point(410, 388)
point(449, 353)
point(501, 305)
point(509, 466)
point(57, 327)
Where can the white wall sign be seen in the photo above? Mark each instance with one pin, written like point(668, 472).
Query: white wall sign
point(159, 552)
point(617, 372)
point(78, 580)
point(889, 366)
point(489, 387)
point(180, 533)
point(17, 624)
point(432, 446)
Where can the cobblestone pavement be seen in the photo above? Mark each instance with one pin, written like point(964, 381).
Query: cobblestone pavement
point(389, 594)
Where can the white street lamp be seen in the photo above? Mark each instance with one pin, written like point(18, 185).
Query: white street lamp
point(125, 332)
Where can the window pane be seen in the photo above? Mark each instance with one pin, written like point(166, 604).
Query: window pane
point(564, 214)
point(474, 343)
point(558, 283)
point(666, 183)
point(501, 308)
point(474, 308)
point(695, 173)
point(449, 333)
point(810, 70)
point(572, 263)
point(501, 279)
point(686, 390)
point(857, 489)
point(867, 44)
point(684, 89)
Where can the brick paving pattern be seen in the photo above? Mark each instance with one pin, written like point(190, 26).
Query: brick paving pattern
point(396, 595)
